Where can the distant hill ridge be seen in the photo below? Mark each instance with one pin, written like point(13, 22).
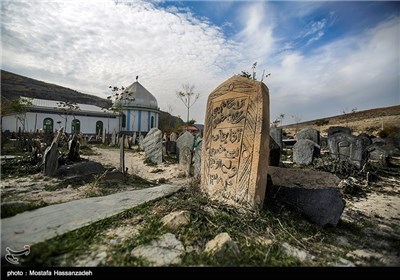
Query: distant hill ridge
point(370, 113)
point(14, 86)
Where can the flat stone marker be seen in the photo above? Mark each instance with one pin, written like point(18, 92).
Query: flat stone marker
point(236, 143)
point(35, 226)
point(152, 145)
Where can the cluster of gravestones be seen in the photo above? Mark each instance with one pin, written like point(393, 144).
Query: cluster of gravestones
point(341, 144)
point(128, 141)
point(52, 154)
point(157, 146)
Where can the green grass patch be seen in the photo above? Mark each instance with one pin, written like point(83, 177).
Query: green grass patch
point(9, 210)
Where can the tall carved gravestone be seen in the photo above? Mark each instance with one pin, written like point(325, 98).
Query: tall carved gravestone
point(152, 145)
point(236, 142)
point(184, 145)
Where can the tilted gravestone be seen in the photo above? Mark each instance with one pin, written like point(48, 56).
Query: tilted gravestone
point(347, 147)
point(236, 143)
point(310, 134)
point(304, 151)
point(51, 154)
point(185, 147)
point(73, 148)
point(152, 145)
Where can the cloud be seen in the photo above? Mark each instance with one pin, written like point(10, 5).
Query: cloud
point(360, 71)
point(88, 46)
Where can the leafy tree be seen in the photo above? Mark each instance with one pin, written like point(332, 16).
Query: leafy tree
point(188, 97)
point(19, 107)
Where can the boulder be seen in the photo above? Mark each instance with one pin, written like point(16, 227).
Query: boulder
point(221, 245)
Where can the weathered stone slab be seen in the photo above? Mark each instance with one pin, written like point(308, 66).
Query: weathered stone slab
point(276, 134)
point(304, 151)
point(376, 152)
point(171, 147)
point(310, 134)
point(315, 194)
point(122, 153)
point(236, 142)
point(185, 147)
point(114, 138)
point(73, 148)
point(152, 145)
point(347, 147)
point(39, 225)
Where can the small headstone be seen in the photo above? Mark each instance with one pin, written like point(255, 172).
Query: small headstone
point(378, 153)
point(338, 129)
point(133, 139)
point(276, 134)
point(310, 134)
point(140, 140)
point(236, 142)
point(73, 148)
point(185, 147)
point(152, 145)
point(304, 151)
point(114, 138)
point(104, 136)
point(127, 143)
point(347, 147)
point(122, 154)
point(197, 160)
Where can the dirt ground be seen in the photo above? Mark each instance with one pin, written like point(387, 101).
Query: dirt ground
point(38, 188)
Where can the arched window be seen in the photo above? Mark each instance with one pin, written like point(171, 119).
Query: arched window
point(152, 122)
point(99, 128)
point(48, 125)
point(75, 126)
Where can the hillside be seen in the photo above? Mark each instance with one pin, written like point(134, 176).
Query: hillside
point(13, 86)
point(369, 121)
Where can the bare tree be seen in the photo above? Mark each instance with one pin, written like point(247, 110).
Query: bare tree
point(188, 97)
point(68, 108)
point(278, 121)
point(297, 118)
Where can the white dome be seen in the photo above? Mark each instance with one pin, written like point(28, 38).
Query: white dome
point(137, 96)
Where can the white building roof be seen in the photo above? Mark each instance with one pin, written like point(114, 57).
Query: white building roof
point(53, 105)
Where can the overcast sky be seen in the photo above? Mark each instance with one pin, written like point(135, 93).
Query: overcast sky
point(324, 57)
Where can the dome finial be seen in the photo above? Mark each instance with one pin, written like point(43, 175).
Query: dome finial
point(137, 78)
